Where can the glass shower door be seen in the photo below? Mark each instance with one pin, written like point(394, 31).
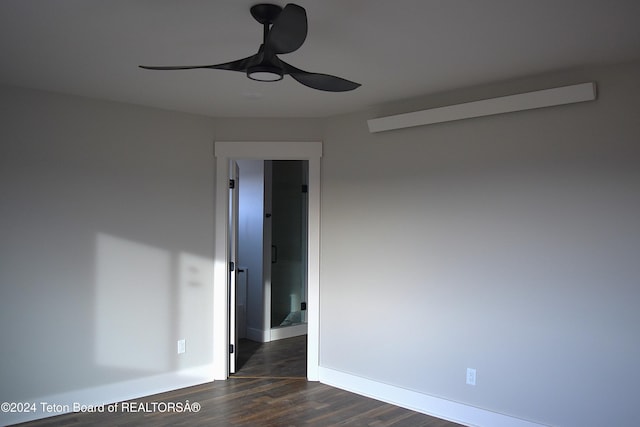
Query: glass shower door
point(289, 242)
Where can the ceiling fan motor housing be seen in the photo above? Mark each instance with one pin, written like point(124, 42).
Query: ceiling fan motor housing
point(265, 73)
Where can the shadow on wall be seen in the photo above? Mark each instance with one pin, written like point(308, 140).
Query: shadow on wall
point(113, 338)
point(146, 300)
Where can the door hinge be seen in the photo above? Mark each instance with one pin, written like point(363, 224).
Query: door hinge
point(232, 184)
point(232, 266)
point(231, 349)
point(303, 306)
point(305, 188)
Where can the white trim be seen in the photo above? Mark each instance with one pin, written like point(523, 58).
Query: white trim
point(224, 150)
point(111, 393)
point(420, 402)
point(288, 332)
point(486, 107)
point(220, 274)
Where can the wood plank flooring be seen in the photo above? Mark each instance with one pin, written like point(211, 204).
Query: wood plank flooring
point(258, 395)
point(281, 358)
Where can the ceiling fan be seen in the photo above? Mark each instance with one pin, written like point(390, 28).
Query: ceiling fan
point(284, 31)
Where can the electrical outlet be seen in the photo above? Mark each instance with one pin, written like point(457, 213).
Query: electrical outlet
point(471, 376)
point(181, 346)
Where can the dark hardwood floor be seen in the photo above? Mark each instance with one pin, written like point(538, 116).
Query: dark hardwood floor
point(264, 392)
point(281, 358)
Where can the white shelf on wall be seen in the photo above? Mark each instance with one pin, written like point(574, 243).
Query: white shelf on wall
point(486, 107)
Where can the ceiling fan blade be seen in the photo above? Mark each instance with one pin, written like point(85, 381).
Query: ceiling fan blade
point(239, 65)
point(289, 30)
point(179, 67)
point(319, 81)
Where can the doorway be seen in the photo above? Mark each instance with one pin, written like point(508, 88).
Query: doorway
point(226, 151)
point(271, 274)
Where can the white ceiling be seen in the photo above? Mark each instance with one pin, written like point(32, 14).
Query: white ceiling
point(395, 49)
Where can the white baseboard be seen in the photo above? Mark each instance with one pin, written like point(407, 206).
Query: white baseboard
point(111, 393)
point(419, 402)
point(288, 332)
point(274, 334)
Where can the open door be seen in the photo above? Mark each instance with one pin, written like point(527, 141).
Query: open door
point(233, 264)
point(266, 150)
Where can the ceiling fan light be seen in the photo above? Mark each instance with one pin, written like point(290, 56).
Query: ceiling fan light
point(264, 73)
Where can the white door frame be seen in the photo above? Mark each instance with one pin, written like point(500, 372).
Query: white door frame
point(233, 257)
point(224, 151)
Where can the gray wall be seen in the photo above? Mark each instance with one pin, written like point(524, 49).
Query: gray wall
point(276, 129)
point(106, 242)
point(508, 244)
